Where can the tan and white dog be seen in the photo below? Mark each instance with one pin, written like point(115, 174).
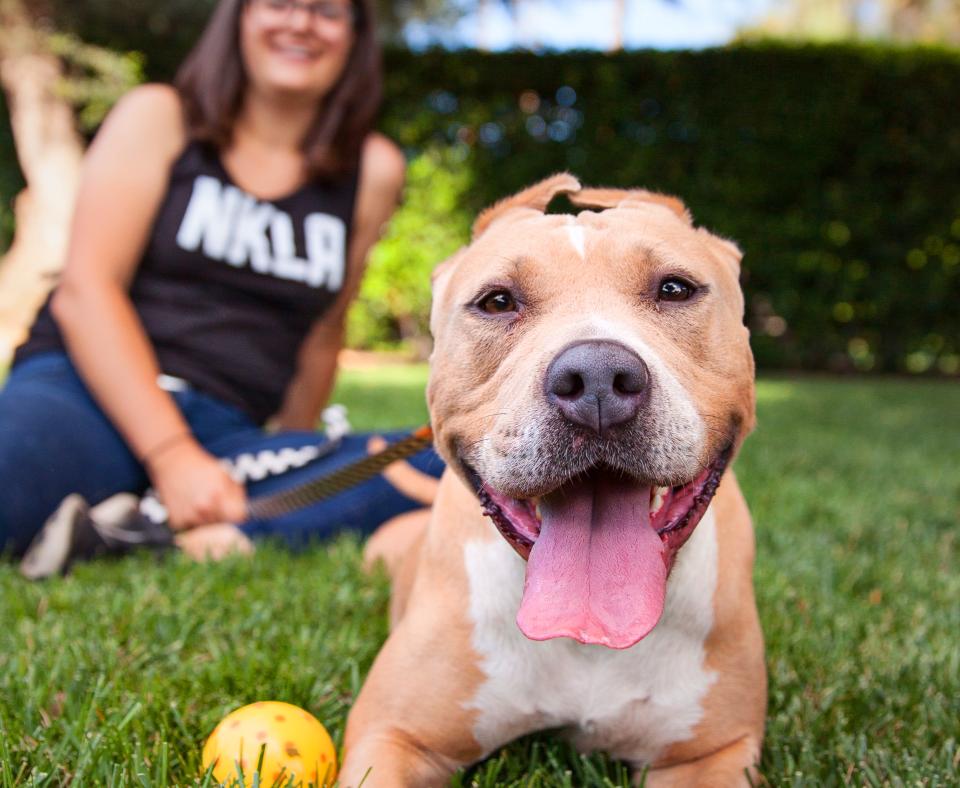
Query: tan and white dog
point(587, 563)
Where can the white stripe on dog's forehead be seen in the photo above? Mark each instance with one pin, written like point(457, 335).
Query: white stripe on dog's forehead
point(577, 237)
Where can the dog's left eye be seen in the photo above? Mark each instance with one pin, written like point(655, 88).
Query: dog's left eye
point(675, 289)
point(499, 302)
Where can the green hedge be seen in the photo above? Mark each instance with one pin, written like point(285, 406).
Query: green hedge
point(837, 168)
point(11, 182)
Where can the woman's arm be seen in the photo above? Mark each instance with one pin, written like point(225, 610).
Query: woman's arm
point(381, 182)
point(124, 179)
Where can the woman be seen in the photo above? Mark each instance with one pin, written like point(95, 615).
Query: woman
point(220, 233)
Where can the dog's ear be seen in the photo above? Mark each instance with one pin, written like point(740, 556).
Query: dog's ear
point(616, 198)
point(534, 198)
point(726, 250)
point(442, 269)
point(439, 280)
point(441, 273)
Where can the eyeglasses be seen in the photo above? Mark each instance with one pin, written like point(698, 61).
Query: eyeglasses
point(326, 10)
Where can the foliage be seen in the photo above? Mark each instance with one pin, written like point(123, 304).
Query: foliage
point(927, 21)
point(115, 675)
point(430, 225)
point(11, 181)
point(834, 167)
point(96, 76)
point(393, 15)
point(163, 32)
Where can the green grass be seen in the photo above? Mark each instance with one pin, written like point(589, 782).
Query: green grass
point(115, 675)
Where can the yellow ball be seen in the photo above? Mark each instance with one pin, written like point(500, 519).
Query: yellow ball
point(295, 745)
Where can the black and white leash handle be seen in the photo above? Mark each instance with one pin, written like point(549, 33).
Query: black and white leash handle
point(316, 490)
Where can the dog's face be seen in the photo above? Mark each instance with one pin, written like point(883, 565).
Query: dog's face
point(591, 379)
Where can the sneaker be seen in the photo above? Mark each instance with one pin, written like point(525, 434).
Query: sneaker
point(76, 532)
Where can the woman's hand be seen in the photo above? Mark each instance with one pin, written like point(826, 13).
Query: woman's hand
point(195, 488)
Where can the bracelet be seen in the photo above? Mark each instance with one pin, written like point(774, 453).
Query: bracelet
point(163, 446)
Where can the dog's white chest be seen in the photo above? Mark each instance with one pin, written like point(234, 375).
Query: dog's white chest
point(632, 703)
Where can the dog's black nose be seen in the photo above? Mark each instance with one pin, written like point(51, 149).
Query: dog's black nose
point(597, 384)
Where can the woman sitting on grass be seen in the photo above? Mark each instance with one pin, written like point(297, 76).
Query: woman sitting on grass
point(220, 233)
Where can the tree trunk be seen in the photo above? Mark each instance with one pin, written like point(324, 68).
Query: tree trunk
point(50, 151)
point(619, 23)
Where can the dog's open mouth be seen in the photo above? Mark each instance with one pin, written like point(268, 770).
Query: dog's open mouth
point(598, 550)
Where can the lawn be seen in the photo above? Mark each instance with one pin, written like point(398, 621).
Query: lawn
point(115, 675)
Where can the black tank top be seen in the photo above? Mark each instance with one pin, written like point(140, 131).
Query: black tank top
point(229, 285)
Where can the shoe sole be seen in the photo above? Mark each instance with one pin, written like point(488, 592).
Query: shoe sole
point(49, 551)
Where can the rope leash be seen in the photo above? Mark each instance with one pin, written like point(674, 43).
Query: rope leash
point(303, 495)
point(145, 524)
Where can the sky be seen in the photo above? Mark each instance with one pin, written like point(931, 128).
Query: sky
point(566, 24)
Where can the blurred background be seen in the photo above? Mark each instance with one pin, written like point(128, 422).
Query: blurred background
point(822, 135)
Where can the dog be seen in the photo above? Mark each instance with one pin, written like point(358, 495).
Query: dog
point(587, 564)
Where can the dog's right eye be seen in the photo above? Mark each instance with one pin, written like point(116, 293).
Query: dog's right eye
point(499, 302)
point(675, 289)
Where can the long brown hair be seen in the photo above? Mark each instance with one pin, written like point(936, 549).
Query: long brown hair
point(212, 82)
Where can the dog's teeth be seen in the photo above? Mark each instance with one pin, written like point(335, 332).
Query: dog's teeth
point(536, 511)
point(657, 498)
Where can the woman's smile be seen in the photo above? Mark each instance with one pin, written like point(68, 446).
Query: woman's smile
point(295, 58)
point(296, 51)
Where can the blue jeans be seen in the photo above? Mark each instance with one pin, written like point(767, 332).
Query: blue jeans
point(55, 440)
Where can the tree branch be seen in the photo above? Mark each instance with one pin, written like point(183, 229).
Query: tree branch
point(50, 151)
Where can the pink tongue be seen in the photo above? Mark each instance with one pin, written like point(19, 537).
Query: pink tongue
point(596, 572)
